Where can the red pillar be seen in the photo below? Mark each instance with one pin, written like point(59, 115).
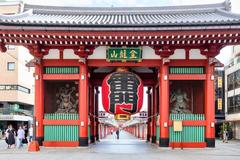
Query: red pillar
point(139, 131)
point(149, 114)
point(100, 130)
point(143, 131)
point(104, 130)
point(96, 113)
point(92, 117)
point(154, 110)
point(164, 105)
point(39, 102)
point(83, 105)
point(209, 106)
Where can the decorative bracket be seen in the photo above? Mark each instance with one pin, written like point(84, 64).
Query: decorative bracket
point(84, 51)
point(37, 51)
point(164, 51)
point(165, 60)
point(211, 51)
point(3, 47)
point(212, 61)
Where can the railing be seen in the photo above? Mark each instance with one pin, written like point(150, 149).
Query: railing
point(189, 133)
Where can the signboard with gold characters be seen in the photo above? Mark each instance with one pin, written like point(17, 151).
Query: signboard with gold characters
point(124, 54)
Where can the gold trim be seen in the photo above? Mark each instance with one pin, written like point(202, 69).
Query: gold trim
point(122, 117)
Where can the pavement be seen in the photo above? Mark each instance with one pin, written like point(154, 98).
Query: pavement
point(127, 147)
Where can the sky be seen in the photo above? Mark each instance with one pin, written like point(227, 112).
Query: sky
point(225, 53)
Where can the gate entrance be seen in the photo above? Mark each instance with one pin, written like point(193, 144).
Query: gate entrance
point(174, 58)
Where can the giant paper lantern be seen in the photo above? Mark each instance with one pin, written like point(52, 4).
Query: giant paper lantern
point(122, 94)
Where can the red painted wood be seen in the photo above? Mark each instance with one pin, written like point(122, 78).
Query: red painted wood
point(61, 122)
point(186, 62)
point(191, 123)
point(123, 33)
point(187, 76)
point(60, 144)
point(59, 62)
point(83, 101)
point(97, 125)
point(149, 113)
point(209, 102)
point(187, 144)
point(154, 110)
point(104, 63)
point(92, 111)
point(39, 100)
point(61, 76)
point(164, 101)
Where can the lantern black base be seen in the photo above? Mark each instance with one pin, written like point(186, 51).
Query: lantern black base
point(40, 140)
point(163, 142)
point(148, 137)
point(83, 141)
point(97, 137)
point(92, 138)
point(154, 139)
point(210, 142)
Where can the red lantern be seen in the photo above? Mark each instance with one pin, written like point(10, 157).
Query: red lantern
point(122, 94)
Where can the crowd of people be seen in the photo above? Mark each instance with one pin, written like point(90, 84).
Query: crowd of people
point(17, 138)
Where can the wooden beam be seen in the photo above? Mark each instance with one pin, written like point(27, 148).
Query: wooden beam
point(187, 77)
point(104, 63)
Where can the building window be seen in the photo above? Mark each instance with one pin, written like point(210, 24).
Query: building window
point(15, 87)
point(11, 66)
point(230, 104)
point(230, 81)
point(237, 79)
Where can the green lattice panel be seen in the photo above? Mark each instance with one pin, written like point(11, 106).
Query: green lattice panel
point(157, 133)
point(61, 70)
point(189, 133)
point(186, 70)
point(60, 116)
point(60, 133)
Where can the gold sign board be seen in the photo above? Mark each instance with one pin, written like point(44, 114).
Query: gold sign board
point(177, 126)
point(219, 82)
point(219, 103)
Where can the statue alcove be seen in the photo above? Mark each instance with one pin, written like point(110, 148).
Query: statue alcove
point(186, 97)
point(61, 97)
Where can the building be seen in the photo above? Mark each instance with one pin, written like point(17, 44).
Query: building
point(171, 49)
point(232, 94)
point(219, 99)
point(16, 80)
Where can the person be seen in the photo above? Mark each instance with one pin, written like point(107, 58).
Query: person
point(20, 136)
point(10, 136)
point(117, 133)
point(7, 136)
point(111, 131)
point(25, 128)
point(0, 133)
point(225, 136)
point(30, 133)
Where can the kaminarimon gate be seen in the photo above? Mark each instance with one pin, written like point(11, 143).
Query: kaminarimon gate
point(171, 49)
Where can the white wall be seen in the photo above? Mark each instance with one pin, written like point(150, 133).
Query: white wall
point(25, 75)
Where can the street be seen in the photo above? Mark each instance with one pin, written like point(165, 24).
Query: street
point(127, 147)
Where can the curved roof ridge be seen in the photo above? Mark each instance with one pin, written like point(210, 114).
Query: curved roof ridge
point(228, 14)
point(41, 9)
